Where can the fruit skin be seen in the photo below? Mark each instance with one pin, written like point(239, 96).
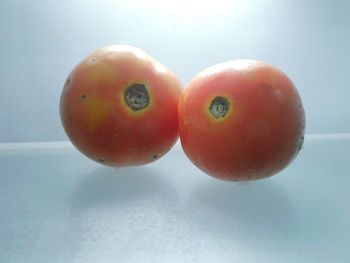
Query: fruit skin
point(96, 116)
point(262, 131)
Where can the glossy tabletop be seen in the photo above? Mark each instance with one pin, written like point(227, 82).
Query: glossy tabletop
point(58, 206)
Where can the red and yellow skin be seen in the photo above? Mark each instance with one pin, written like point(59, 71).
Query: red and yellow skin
point(97, 118)
point(262, 130)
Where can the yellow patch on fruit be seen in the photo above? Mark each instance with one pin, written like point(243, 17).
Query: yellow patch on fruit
point(96, 112)
point(99, 72)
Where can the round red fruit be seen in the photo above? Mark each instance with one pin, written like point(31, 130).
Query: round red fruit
point(119, 107)
point(241, 120)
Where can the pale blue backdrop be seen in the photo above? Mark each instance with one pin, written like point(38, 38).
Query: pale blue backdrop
point(41, 41)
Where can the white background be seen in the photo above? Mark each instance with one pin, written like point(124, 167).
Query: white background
point(41, 41)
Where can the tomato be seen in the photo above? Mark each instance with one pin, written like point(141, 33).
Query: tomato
point(241, 120)
point(119, 106)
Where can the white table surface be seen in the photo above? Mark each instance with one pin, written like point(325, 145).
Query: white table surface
point(58, 206)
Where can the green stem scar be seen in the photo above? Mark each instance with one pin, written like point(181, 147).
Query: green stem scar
point(219, 107)
point(136, 97)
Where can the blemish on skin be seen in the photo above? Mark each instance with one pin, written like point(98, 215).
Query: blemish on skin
point(136, 97)
point(93, 60)
point(219, 107)
point(279, 95)
point(114, 139)
point(155, 156)
point(83, 96)
point(66, 84)
point(249, 75)
point(301, 143)
point(101, 160)
point(273, 80)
